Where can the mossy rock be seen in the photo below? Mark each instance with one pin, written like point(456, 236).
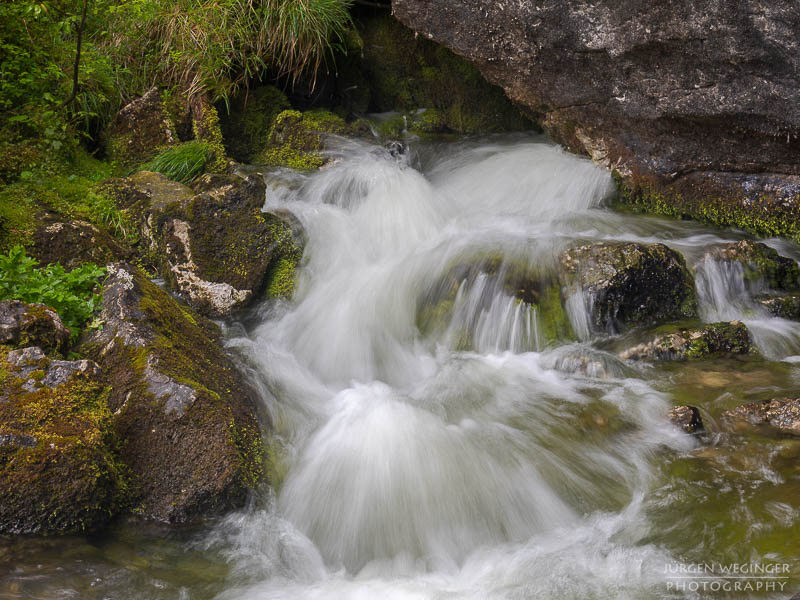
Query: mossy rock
point(628, 284)
point(23, 325)
point(405, 72)
point(139, 131)
point(247, 120)
point(707, 341)
point(536, 289)
point(785, 307)
point(762, 264)
point(296, 139)
point(58, 469)
point(186, 417)
point(730, 202)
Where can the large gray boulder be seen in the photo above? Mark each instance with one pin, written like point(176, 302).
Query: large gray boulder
point(693, 103)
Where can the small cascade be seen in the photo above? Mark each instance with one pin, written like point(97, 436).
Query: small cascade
point(724, 293)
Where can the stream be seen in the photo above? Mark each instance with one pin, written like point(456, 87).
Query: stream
point(433, 438)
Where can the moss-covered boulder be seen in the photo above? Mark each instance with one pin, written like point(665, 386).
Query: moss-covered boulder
point(625, 284)
point(296, 139)
point(686, 418)
point(692, 343)
point(221, 251)
point(247, 119)
point(402, 71)
point(212, 243)
point(763, 266)
point(785, 307)
point(185, 417)
point(58, 470)
point(23, 325)
point(139, 130)
point(779, 415)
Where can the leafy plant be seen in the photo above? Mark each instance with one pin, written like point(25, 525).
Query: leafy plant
point(70, 294)
point(183, 162)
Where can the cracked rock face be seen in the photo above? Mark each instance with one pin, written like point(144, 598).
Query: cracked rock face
point(703, 93)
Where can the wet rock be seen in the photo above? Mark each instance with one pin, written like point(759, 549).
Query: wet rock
point(184, 414)
point(762, 264)
point(686, 418)
point(625, 284)
point(139, 131)
point(693, 106)
point(786, 307)
point(782, 415)
point(390, 68)
point(220, 251)
point(58, 472)
point(714, 339)
point(24, 324)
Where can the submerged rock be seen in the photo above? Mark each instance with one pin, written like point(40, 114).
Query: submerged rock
point(184, 415)
point(686, 418)
point(624, 284)
point(24, 324)
point(782, 415)
point(694, 105)
point(139, 130)
point(707, 341)
point(58, 471)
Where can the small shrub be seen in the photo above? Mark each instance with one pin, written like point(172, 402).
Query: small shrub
point(70, 294)
point(181, 163)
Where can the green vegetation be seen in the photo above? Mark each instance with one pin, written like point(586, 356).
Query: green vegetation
point(69, 293)
point(181, 163)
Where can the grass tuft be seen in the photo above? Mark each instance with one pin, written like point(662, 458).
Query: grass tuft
point(181, 163)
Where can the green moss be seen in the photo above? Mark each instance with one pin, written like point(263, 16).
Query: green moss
point(246, 125)
point(207, 129)
point(69, 479)
point(281, 278)
point(764, 216)
point(405, 72)
point(296, 139)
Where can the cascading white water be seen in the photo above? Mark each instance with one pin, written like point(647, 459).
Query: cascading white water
point(724, 295)
point(419, 466)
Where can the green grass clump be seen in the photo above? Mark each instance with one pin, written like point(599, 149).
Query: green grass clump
point(183, 162)
point(70, 294)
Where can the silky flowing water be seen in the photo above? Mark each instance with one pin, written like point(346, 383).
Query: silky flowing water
point(432, 439)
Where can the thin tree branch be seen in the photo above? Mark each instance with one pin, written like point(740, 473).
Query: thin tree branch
point(76, 69)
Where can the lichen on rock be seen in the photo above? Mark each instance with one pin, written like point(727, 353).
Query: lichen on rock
point(184, 414)
point(58, 468)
